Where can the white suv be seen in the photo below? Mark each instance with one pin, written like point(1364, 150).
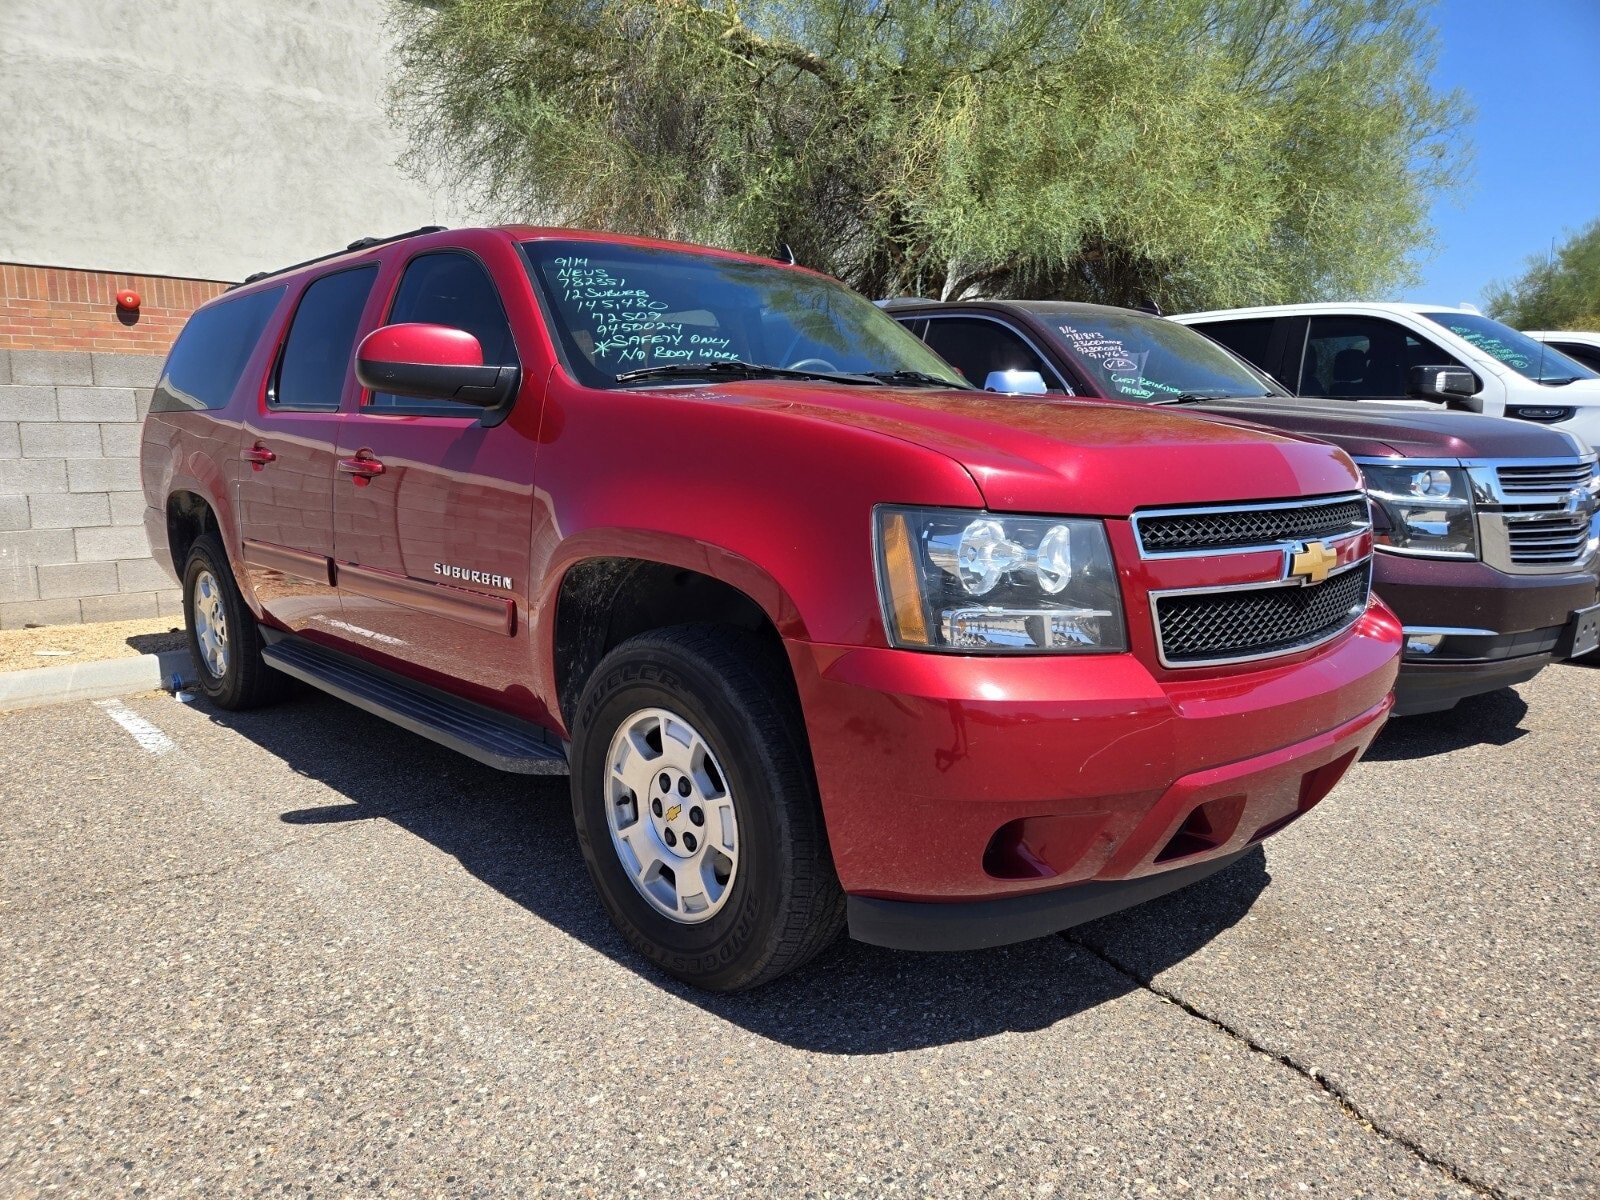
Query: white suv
point(1417, 353)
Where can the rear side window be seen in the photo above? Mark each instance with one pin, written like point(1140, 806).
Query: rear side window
point(1250, 340)
point(211, 352)
point(450, 288)
point(317, 352)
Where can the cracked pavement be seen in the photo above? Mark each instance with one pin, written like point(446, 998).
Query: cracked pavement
point(301, 950)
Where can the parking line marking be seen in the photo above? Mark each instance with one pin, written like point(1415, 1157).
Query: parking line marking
point(150, 738)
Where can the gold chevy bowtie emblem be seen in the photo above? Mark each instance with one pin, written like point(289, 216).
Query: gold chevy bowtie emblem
point(1312, 562)
point(672, 813)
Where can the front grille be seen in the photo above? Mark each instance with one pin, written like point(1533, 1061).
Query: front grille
point(1544, 478)
point(1244, 624)
point(1549, 540)
point(1176, 531)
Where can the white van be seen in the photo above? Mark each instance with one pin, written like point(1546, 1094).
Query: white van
point(1416, 353)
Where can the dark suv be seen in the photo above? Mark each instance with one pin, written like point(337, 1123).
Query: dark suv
point(1486, 528)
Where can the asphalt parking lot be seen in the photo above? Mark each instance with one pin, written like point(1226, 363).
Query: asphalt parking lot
point(301, 952)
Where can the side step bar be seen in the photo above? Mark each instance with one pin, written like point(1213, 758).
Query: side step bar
point(492, 738)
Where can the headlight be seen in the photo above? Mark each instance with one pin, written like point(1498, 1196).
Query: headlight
point(1423, 511)
point(987, 583)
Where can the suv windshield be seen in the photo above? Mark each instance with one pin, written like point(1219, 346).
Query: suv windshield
point(1524, 355)
point(623, 309)
point(1135, 357)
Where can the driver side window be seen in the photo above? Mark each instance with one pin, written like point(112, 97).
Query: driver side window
point(976, 346)
point(1354, 358)
point(449, 288)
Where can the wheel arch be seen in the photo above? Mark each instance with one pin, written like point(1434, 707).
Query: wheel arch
point(610, 591)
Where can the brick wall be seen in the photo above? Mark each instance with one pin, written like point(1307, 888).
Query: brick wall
point(53, 308)
point(72, 542)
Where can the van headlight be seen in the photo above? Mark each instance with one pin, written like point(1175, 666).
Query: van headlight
point(1422, 511)
point(971, 582)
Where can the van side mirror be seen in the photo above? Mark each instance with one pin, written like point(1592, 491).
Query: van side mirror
point(432, 362)
point(1017, 383)
point(1443, 384)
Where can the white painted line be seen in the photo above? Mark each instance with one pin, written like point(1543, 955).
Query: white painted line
point(150, 738)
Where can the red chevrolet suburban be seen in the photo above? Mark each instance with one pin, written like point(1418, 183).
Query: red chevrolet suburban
point(825, 636)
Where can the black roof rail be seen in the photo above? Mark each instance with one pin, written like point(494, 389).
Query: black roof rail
point(359, 244)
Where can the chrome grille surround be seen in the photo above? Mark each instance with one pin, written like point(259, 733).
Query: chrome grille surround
point(1266, 618)
point(1537, 516)
point(1245, 528)
point(1212, 627)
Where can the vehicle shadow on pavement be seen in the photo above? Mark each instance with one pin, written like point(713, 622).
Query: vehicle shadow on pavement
point(1492, 719)
point(514, 833)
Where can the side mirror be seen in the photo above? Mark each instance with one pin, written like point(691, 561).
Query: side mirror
point(1017, 383)
point(1443, 384)
point(432, 362)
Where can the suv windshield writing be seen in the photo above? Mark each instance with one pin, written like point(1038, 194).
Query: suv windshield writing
point(1524, 355)
point(1146, 358)
point(620, 309)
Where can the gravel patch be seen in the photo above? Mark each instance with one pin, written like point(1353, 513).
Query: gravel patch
point(57, 645)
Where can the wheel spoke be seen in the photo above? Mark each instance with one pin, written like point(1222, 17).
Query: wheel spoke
point(644, 857)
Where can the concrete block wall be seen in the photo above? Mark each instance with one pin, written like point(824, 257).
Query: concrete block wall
point(72, 541)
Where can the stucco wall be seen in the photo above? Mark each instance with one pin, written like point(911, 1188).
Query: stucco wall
point(201, 139)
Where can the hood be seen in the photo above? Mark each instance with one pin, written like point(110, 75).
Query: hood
point(1375, 430)
point(1069, 456)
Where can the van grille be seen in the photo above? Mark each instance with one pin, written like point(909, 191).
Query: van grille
point(1184, 532)
point(1237, 625)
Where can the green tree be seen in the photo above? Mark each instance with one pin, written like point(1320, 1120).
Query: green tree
point(1198, 152)
point(1561, 291)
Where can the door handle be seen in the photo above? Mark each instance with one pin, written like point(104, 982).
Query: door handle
point(259, 456)
point(363, 467)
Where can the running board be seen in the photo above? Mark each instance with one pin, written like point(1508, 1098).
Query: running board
point(492, 738)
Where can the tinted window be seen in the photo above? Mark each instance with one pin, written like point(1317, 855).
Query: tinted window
point(1134, 357)
point(1578, 352)
point(1358, 358)
point(975, 347)
point(451, 289)
point(616, 309)
point(1518, 351)
point(321, 341)
point(210, 354)
point(1250, 340)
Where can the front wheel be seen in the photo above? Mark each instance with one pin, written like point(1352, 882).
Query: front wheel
point(697, 809)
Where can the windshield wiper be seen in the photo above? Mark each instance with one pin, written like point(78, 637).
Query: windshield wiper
point(921, 378)
point(739, 369)
point(1194, 397)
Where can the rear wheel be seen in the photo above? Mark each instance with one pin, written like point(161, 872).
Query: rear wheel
point(697, 810)
point(223, 638)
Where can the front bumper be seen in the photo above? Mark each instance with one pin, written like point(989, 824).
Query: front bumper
point(1507, 628)
point(948, 779)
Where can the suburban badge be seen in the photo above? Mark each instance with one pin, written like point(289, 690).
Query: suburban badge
point(468, 576)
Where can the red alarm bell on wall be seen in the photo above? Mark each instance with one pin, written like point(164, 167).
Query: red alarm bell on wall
point(128, 298)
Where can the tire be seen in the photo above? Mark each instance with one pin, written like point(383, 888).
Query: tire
point(704, 718)
point(237, 678)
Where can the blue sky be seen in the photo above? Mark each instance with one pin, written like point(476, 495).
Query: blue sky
point(1531, 68)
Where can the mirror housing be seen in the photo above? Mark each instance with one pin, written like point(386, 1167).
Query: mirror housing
point(1016, 383)
point(433, 362)
point(1444, 384)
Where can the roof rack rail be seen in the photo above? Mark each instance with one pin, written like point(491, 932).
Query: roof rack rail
point(359, 244)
